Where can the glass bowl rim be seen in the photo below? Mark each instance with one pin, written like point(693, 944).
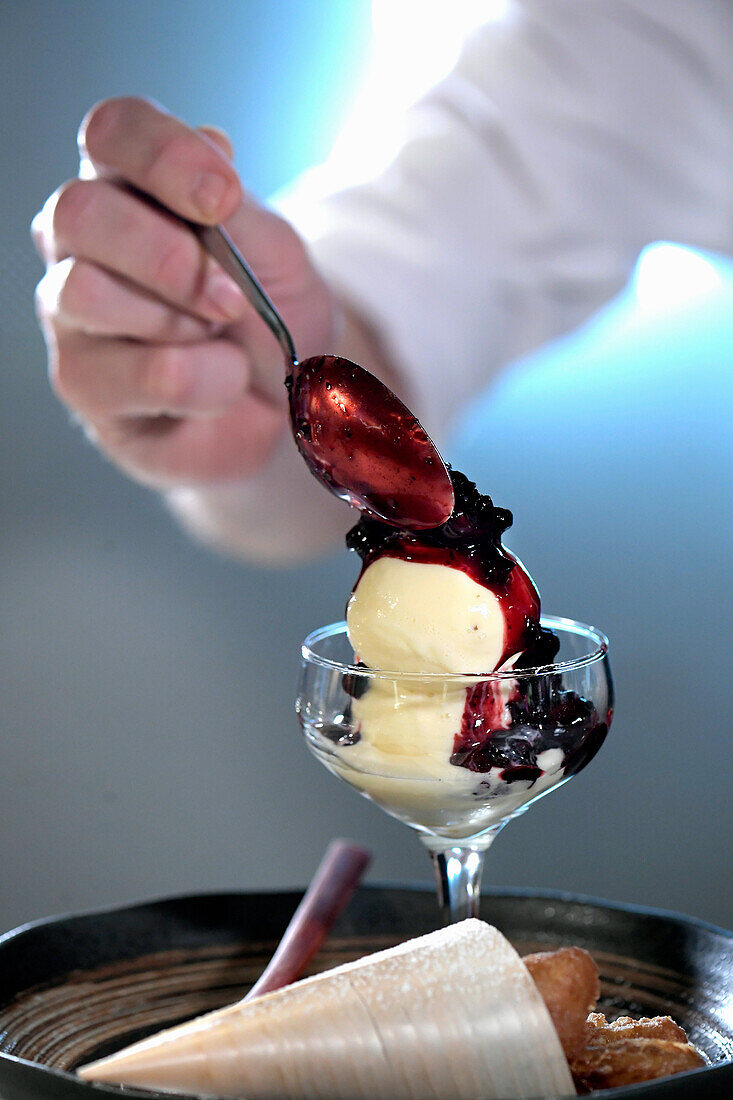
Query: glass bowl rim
point(553, 622)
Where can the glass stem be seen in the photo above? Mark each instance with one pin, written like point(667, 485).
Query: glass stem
point(458, 878)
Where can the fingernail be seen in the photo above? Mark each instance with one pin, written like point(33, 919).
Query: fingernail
point(224, 295)
point(209, 192)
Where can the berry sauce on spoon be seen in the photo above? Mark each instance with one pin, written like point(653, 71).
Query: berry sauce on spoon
point(355, 435)
point(366, 447)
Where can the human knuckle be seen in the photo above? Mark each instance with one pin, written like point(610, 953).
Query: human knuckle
point(173, 266)
point(72, 208)
point(80, 292)
point(40, 231)
point(285, 243)
point(167, 380)
point(42, 300)
point(63, 374)
point(48, 291)
point(105, 121)
point(171, 150)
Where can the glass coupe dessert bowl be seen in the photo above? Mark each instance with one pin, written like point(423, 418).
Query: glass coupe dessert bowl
point(454, 756)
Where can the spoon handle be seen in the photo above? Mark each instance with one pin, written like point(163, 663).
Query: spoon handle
point(330, 890)
point(220, 245)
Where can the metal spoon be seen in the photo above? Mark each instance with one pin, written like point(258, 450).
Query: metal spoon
point(354, 433)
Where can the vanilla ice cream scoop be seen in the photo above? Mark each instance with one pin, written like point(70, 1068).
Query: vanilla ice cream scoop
point(426, 617)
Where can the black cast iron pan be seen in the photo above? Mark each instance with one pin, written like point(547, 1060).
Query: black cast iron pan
point(76, 988)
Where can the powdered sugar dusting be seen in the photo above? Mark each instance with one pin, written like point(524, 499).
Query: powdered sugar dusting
point(453, 1013)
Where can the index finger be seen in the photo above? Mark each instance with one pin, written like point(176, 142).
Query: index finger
point(140, 143)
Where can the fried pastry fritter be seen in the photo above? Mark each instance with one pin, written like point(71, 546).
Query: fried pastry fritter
point(568, 983)
point(605, 1055)
point(626, 1027)
point(629, 1051)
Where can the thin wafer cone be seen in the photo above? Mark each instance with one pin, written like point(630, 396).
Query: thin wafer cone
point(454, 1013)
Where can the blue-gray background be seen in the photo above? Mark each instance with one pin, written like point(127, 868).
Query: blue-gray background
point(148, 743)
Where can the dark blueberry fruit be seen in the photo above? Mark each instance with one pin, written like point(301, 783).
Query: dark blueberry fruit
point(354, 685)
point(340, 734)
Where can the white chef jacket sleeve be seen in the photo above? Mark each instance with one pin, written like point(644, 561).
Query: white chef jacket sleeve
point(570, 134)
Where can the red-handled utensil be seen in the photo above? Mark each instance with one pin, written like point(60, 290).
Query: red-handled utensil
point(330, 890)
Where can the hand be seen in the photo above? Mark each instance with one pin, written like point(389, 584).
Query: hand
point(150, 344)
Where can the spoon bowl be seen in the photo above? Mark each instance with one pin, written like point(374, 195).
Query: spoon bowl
point(354, 433)
point(365, 445)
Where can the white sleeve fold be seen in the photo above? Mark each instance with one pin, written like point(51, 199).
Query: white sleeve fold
point(570, 134)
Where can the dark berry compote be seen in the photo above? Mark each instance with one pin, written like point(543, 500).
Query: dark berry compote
point(515, 728)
